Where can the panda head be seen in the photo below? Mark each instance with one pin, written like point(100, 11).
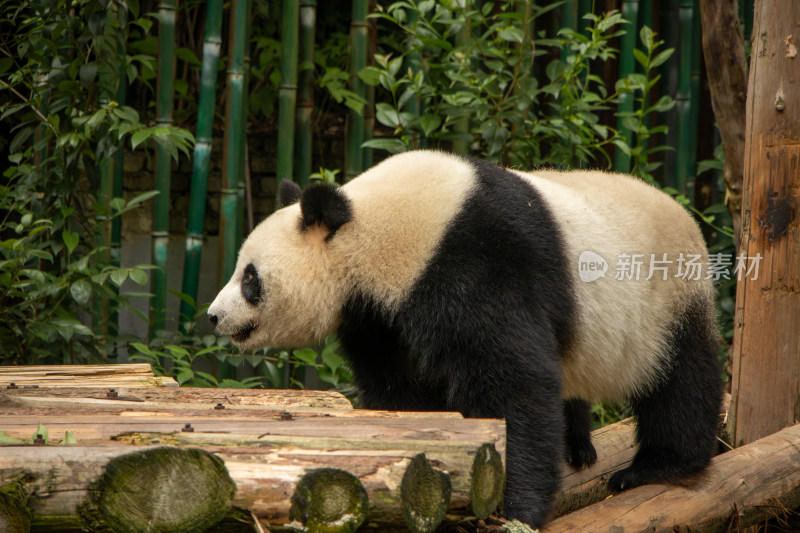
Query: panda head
point(290, 282)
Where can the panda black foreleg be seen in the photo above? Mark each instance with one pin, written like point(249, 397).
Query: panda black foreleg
point(527, 393)
point(677, 419)
point(579, 449)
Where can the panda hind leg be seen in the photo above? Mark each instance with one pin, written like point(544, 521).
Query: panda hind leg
point(579, 449)
point(677, 420)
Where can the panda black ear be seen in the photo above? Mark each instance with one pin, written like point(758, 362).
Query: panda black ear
point(289, 192)
point(325, 205)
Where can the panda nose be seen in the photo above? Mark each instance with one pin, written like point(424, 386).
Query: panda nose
point(213, 319)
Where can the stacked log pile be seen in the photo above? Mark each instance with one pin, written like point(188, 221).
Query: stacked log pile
point(230, 460)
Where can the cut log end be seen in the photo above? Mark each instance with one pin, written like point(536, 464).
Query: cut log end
point(488, 481)
point(329, 500)
point(164, 489)
point(425, 495)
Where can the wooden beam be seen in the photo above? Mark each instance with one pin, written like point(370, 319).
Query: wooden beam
point(117, 375)
point(766, 344)
point(744, 485)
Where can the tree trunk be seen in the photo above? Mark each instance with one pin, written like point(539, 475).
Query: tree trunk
point(766, 347)
point(743, 486)
point(723, 49)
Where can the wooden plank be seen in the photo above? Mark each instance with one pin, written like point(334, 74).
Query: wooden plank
point(749, 483)
point(175, 398)
point(117, 375)
point(344, 432)
point(766, 344)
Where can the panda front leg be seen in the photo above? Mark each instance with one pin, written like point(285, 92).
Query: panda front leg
point(527, 393)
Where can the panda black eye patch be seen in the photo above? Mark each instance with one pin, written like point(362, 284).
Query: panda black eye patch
point(252, 290)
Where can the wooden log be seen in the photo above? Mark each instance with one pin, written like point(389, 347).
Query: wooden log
point(117, 375)
point(747, 484)
point(172, 399)
point(267, 458)
point(171, 490)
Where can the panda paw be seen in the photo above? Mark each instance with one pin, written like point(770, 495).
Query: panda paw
point(581, 453)
point(626, 479)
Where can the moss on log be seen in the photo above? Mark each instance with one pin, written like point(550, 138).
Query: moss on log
point(425, 495)
point(328, 500)
point(164, 490)
point(487, 481)
point(14, 516)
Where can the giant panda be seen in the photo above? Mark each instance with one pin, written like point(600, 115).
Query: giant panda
point(454, 284)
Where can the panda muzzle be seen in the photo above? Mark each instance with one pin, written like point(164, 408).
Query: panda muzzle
point(244, 333)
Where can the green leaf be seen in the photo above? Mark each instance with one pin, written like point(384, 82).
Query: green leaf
point(140, 136)
point(511, 34)
point(274, 376)
point(81, 291)
point(41, 430)
point(393, 146)
point(69, 438)
point(97, 20)
point(119, 276)
point(5, 439)
point(253, 359)
point(87, 73)
point(231, 384)
point(138, 276)
point(370, 75)
point(70, 240)
point(429, 123)
point(184, 376)
point(306, 355)
point(661, 57)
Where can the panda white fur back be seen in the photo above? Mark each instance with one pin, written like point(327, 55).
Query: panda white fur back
point(454, 284)
point(619, 345)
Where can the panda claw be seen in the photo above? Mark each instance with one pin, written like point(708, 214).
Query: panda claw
point(581, 455)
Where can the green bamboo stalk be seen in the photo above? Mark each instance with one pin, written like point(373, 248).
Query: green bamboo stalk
point(369, 109)
point(355, 123)
point(288, 92)
point(568, 20)
point(305, 94)
point(160, 234)
point(243, 38)
point(233, 139)
point(627, 64)
point(670, 33)
point(230, 222)
point(683, 98)
point(212, 43)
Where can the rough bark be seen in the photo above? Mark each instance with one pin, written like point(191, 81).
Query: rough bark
point(723, 49)
point(766, 344)
point(268, 458)
point(117, 375)
point(172, 399)
point(742, 486)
